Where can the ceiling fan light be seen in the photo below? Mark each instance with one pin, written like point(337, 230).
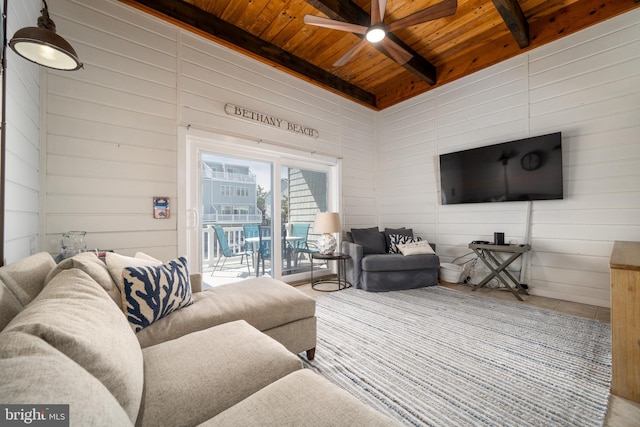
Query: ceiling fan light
point(374, 35)
point(44, 46)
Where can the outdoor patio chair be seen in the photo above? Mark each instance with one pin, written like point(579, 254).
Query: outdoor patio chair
point(224, 251)
point(265, 247)
point(251, 240)
point(303, 246)
point(251, 231)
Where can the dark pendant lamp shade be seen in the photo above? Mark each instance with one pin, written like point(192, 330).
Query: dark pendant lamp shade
point(43, 46)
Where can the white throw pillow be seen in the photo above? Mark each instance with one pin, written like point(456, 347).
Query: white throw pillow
point(116, 263)
point(416, 248)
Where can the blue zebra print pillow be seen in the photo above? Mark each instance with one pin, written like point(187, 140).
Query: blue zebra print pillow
point(152, 292)
point(400, 239)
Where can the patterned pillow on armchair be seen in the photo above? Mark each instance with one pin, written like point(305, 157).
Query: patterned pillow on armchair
point(400, 239)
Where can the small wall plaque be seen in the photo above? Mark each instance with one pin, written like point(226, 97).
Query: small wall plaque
point(161, 207)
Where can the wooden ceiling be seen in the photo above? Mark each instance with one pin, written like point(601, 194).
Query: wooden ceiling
point(480, 33)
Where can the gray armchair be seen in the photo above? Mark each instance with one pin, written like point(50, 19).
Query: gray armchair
point(372, 268)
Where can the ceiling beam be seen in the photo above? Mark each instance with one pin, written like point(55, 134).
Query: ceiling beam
point(188, 16)
point(513, 16)
point(346, 10)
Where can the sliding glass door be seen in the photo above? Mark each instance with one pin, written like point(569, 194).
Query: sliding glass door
point(305, 193)
point(237, 217)
point(250, 212)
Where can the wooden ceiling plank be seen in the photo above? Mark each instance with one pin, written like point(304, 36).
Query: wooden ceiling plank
point(472, 23)
point(191, 17)
point(474, 38)
point(350, 12)
point(513, 16)
point(437, 11)
point(265, 18)
point(253, 12)
point(342, 10)
point(545, 29)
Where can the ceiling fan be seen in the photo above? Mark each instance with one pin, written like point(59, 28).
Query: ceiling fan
point(377, 31)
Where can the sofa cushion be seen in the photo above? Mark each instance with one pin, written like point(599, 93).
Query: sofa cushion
point(35, 373)
point(399, 262)
point(302, 398)
point(190, 379)
point(9, 305)
point(371, 240)
point(25, 278)
point(263, 302)
point(77, 317)
point(95, 268)
point(153, 292)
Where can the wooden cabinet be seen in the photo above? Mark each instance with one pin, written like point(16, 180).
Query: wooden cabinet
point(625, 320)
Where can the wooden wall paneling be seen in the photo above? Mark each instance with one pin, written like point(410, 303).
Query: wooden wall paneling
point(207, 90)
point(359, 166)
point(566, 86)
point(133, 160)
point(22, 156)
point(110, 114)
point(26, 200)
point(406, 177)
point(22, 226)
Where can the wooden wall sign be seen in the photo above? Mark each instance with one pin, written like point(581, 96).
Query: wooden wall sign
point(269, 120)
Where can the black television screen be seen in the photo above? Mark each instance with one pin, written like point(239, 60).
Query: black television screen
point(526, 169)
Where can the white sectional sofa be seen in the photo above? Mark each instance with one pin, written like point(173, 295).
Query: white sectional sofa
point(65, 340)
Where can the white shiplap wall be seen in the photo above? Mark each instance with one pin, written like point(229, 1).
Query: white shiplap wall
point(587, 86)
point(359, 196)
point(22, 184)
point(112, 128)
point(111, 139)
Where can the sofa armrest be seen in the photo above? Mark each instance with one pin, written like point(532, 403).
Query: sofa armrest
point(354, 264)
point(196, 282)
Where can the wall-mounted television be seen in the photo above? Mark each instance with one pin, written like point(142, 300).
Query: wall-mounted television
point(525, 169)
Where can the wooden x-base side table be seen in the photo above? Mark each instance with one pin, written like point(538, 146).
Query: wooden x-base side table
point(499, 268)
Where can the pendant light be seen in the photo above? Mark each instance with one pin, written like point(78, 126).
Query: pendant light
point(43, 46)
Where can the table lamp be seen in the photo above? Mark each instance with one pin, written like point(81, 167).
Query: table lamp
point(327, 223)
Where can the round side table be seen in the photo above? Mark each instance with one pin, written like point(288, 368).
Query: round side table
point(341, 279)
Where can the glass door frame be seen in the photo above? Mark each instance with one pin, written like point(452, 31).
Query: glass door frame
point(193, 142)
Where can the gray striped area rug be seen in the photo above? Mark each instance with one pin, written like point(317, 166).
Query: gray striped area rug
point(439, 357)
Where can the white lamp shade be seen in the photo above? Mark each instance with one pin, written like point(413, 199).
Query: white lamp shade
point(327, 222)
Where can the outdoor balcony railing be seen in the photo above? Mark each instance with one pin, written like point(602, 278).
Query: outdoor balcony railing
point(226, 176)
point(217, 218)
point(235, 239)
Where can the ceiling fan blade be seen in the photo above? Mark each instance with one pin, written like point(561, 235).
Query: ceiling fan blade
point(440, 10)
point(351, 53)
point(333, 24)
point(396, 51)
point(377, 11)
